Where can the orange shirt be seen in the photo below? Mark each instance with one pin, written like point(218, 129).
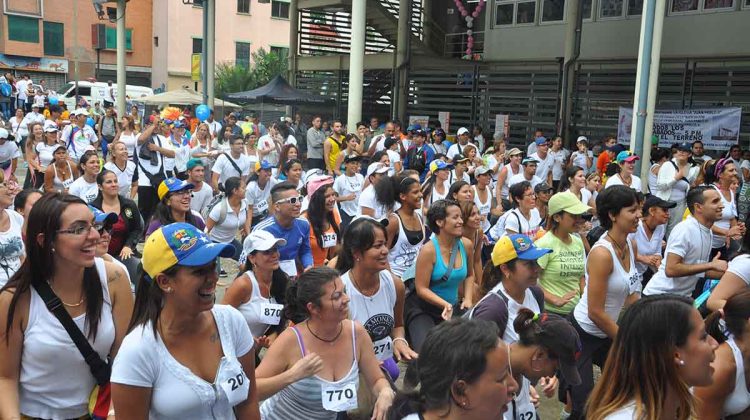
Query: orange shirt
point(329, 238)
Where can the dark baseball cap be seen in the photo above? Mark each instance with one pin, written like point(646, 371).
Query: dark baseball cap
point(654, 201)
point(563, 343)
point(542, 187)
point(684, 146)
point(459, 158)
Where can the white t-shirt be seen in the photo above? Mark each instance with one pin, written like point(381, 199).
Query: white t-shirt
point(226, 170)
point(394, 157)
point(346, 185)
point(124, 177)
point(144, 165)
point(19, 128)
point(33, 117)
point(109, 94)
point(259, 198)
point(201, 197)
point(529, 227)
point(45, 153)
point(11, 247)
point(177, 393)
point(544, 166)
point(9, 150)
point(559, 158)
point(691, 241)
point(627, 412)
point(130, 141)
point(83, 189)
point(517, 178)
point(635, 184)
point(265, 142)
point(21, 87)
point(368, 199)
point(226, 230)
point(740, 267)
point(579, 159)
point(82, 138)
point(454, 150)
point(744, 165)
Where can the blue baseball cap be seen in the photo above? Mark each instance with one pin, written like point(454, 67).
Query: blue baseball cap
point(517, 246)
point(172, 185)
point(540, 141)
point(102, 217)
point(438, 164)
point(263, 164)
point(183, 244)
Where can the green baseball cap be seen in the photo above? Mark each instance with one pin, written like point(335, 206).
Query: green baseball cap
point(567, 202)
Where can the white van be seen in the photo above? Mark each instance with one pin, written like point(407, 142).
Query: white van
point(93, 92)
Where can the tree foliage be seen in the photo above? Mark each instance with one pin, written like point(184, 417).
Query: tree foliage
point(264, 66)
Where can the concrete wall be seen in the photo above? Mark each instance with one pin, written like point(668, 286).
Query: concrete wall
point(184, 22)
point(718, 34)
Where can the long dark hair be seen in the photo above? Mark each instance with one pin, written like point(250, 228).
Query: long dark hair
point(163, 212)
point(388, 189)
point(569, 173)
point(358, 236)
point(39, 264)
point(307, 289)
point(516, 192)
point(318, 215)
point(736, 312)
point(455, 188)
point(611, 201)
point(149, 300)
point(454, 350)
point(85, 158)
point(100, 182)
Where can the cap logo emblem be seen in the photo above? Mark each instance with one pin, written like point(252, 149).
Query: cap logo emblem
point(182, 240)
point(522, 244)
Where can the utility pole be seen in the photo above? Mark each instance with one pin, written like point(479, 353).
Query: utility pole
point(210, 6)
point(356, 63)
point(204, 48)
point(75, 51)
point(121, 79)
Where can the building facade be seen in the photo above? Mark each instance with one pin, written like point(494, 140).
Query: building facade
point(55, 40)
point(242, 27)
point(519, 48)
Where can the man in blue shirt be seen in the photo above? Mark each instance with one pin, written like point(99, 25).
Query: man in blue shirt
point(419, 155)
point(287, 224)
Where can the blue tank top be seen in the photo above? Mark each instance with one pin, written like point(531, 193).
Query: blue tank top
point(447, 290)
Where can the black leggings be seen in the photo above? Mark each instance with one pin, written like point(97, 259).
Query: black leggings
point(147, 201)
point(419, 320)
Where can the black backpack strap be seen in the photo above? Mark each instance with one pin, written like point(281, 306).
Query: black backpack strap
point(539, 296)
point(99, 368)
point(451, 262)
point(234, 164)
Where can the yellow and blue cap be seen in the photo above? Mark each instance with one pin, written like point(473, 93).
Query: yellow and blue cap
point(263, 164)
point(183, 244)
point(437, 165)
point(171, 185)
point(102, 217)
point(517, 246)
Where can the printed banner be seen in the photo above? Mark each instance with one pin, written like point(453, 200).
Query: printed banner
point(717, 128)
point(445, 120)
point(55, 65)
point(195, 67)
point(502, 124)
point(422, 120)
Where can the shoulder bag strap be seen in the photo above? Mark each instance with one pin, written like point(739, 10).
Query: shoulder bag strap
point(234, 164)
point(99, 368)
point(451, 262)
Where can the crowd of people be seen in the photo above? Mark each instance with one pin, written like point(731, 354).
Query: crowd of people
point(477, 275)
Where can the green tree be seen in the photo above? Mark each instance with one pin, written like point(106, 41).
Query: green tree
point(264, 66)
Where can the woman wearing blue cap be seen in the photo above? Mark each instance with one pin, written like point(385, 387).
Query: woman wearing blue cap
point(626, 161)
point(174, 206)
point(42, 373)
point(184, 357)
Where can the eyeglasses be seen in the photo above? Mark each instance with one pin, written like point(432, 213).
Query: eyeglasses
point(530, 195)
point(291, 200)
point(84, 229)
point(183, 192)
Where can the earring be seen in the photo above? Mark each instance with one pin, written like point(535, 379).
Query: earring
point(169, 289)
point(681, 362)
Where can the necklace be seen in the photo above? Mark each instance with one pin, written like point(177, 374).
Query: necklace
point(365, 294)
point(619, 247)
point(331, 341)
point(70, 305)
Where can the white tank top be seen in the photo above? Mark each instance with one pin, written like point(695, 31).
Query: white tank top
point(484, 208)
point(375, 312)
point(55, 381)
point(739, 400)
point(130, 140)
point(259, 312)
point(508, 176)
point(652, 179)
point(59, 184)
point(403, 254)
point(435, 195)
point(521, 407)
point(620, 284)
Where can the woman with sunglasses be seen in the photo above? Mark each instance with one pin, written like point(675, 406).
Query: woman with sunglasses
point(376, 300)
point(184, 356)
point(260, 293)
point(312, 370)
point(727, 228)
point(84, 187)
point(127, 228)
point(174, 206)
point(42, 374)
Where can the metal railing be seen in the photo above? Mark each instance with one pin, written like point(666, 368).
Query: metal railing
point(456, 43)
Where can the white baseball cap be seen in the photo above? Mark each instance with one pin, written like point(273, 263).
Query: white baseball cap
point(376, 168)
point(4, 133)
point(50, 126)
point(462, 130)
point(80, 111)
point(582, 138)
point(259, 240)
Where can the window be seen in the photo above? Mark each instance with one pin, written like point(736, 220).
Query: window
point(747, 3)
point(280, 9)
point(610, 8)
point(553, 10)
point(691, 6)
point(635, 7)
point(282, 52)
point(586, 11)
point(679, 6)
point(111, 36)
point(197, 45)
point(23, 29)
point(54, 42)
point(197, 3)
point(243, 6)
point(522, 12)
point(718, 4)
point(242, 54)
point(526, 12)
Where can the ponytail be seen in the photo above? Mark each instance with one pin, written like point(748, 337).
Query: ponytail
point(307, 289)
point(735, 314)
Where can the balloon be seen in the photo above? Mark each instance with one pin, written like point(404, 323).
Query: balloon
point(202, 112)
point(468, 51)
point(475, 14)
point(90, 122)
point(470, 33)
point(469, 24)
point(53, 100)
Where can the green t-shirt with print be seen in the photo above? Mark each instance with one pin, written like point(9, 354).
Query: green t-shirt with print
point(561, 269)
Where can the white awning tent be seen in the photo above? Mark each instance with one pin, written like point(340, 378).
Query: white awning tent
point(182, 96)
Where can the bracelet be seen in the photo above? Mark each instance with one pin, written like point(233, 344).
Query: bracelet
point(400, 339)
